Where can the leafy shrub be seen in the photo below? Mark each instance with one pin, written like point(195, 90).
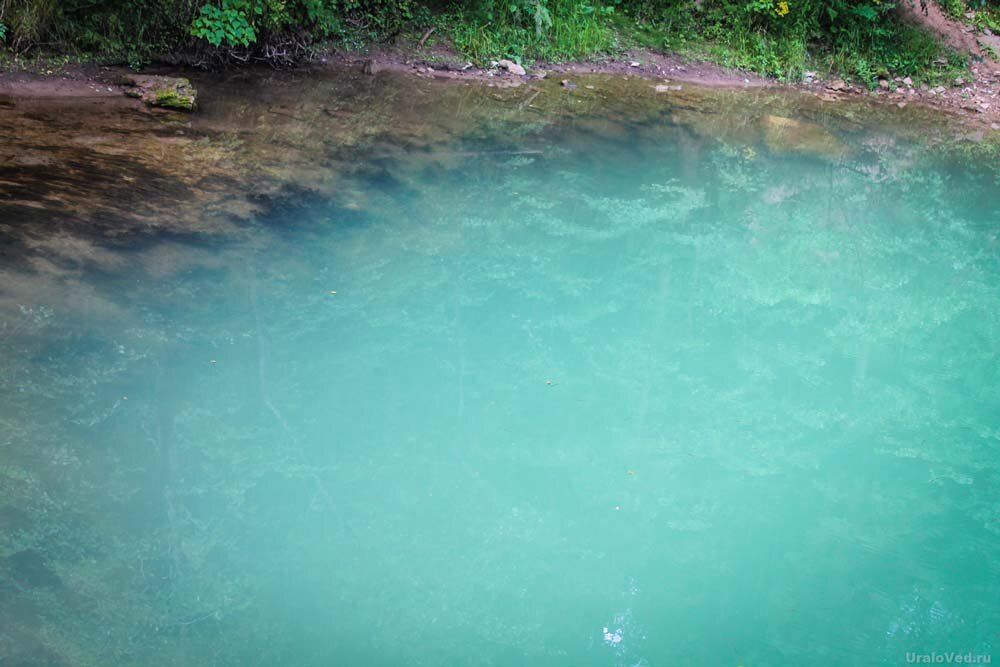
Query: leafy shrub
point(228, 24)
point(862, 38)
point(134, 31)
point(129, 32)
point(26, 22)
point(782, 38)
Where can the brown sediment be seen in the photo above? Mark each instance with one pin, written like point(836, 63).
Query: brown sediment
point(84, 169)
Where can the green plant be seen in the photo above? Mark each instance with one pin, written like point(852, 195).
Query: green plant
point(953, 8)
point(25, 22)
point(228, 24)
point(533, 29)
point(862, 39)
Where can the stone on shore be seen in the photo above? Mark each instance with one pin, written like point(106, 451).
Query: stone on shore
point(512, 67)
point(168, 92)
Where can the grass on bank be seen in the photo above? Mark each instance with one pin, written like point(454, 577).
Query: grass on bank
point(863, 51)
point(567, 30)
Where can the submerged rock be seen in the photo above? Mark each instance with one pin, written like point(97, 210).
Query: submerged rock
point(162, 91)
point(787, 135)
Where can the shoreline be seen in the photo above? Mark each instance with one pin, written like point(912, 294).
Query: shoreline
point(107, 166)
point(972, 104)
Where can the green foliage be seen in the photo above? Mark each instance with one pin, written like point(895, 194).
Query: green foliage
point(132, 33)
point(864, 39)
point(227, 24)
point(953, 8)
point(783, 38)
point(25, 22)
point(533, 29)
point(241, 22)
point(135, 31)
point(986, 16)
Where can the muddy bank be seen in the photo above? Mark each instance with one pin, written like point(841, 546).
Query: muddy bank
point(442, 63)
point(973, 101)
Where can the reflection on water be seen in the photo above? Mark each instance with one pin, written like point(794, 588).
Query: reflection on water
point(367, 371)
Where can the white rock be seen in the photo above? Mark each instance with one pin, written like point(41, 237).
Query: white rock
point(511, 67)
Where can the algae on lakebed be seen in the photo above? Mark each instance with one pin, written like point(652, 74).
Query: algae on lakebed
point(352, 369)
point(262, 138)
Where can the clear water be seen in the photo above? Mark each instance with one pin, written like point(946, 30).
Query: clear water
point(635, 397)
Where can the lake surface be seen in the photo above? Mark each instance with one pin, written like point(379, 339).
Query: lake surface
point(710, 379)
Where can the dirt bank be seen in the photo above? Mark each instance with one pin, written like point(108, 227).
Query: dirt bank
point(974, 103)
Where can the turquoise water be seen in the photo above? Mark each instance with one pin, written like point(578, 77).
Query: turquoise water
point(640, 397)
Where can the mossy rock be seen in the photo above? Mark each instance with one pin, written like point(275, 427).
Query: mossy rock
point(171, 98)
point(162, 91)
